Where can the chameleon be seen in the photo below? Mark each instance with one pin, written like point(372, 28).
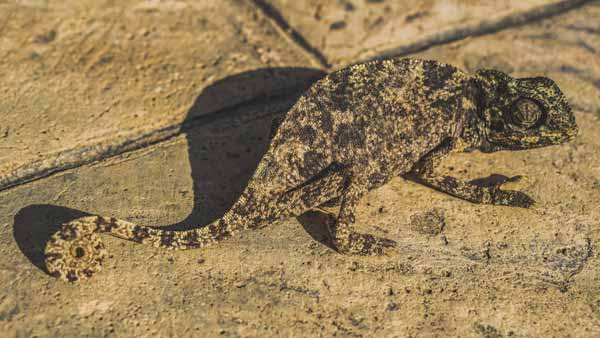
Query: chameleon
point(351, 132)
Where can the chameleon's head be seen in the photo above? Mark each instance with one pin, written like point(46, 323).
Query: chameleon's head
point(522, 113)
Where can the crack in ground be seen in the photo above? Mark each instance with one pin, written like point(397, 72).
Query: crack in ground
point(286, 29)
point(484, 28)
point(77, 157)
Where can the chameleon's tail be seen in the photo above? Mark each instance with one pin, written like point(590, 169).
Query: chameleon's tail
point(76, 251)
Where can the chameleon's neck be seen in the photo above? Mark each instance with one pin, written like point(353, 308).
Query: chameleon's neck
point(473, 131)
point(471, 137)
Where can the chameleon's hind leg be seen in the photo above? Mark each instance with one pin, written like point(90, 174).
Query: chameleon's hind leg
point(423, 172)
point(345, 238)
point(333, 183)
point(316, 192)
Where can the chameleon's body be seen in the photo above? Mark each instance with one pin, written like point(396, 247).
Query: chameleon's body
point(351, 132)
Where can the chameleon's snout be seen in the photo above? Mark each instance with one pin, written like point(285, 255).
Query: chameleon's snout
point(572, 133)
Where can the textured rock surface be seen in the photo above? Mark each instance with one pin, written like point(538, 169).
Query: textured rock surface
point(460, 270)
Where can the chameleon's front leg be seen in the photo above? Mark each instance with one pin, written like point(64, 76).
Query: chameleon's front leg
point(345, 239)
point(423, 172)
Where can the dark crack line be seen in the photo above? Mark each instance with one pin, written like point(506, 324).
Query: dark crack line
point(509, 21)
point(77, 157)
point(272, 13)
point(580, 74)
point(584, 29)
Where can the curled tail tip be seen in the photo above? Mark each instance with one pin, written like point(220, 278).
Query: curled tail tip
point(76, 251)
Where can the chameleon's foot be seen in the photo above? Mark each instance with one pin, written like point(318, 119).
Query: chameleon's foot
point(511, 198)
point(364, 245)
point(75, 252)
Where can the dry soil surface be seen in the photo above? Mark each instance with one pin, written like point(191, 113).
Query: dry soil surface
point(158, 111)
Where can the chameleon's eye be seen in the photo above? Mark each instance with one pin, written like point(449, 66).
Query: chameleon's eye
point(525, 113)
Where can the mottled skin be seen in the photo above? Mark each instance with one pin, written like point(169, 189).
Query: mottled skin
point(351, 132)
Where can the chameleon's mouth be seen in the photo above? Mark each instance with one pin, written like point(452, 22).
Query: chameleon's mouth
point(572, 133)
point(522, 141)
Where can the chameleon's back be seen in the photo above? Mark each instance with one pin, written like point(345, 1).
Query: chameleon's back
point(383, 115)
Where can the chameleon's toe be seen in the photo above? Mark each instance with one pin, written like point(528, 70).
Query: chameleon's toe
point(521, 200)
point(74, 253)
point(513, 198)
point(517, 178)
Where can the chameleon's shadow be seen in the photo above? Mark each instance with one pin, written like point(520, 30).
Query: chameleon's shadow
point(315, 222)
point(227, 135)
point(33, 226)
point(225, 148)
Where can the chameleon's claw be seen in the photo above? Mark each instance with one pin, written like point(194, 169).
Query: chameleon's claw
point(516, 178)
point(521, 200)
point(513, 198)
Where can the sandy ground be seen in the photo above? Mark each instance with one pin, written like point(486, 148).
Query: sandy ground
point(158, 112)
